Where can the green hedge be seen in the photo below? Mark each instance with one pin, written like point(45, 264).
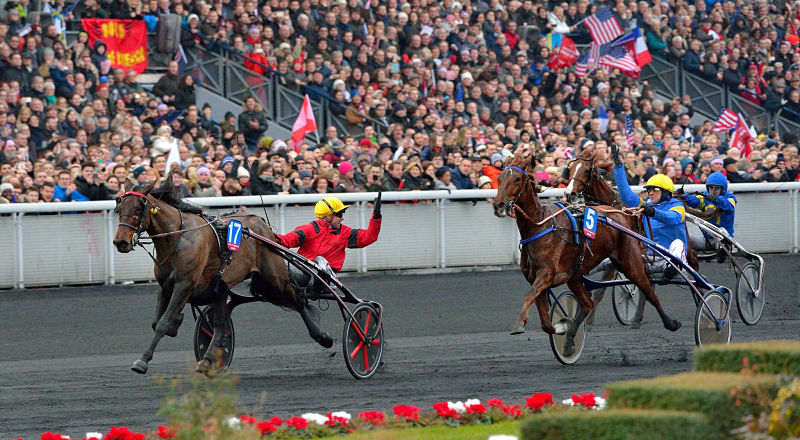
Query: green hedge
point(706, 393)
point(771, 357)
point(617, 425)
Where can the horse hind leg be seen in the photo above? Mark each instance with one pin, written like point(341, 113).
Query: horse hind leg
point(585, 307)
point(220, 308)
point(314, 331)
point(635, 271)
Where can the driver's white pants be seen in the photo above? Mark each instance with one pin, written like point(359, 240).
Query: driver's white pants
point(700, 243)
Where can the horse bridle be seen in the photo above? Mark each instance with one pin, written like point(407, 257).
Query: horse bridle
point(586, 185)
point(140, 227)
point(512, 202)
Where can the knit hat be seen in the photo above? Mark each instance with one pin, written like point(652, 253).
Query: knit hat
point(226, 160)
point(728, 161)
point(304, 174)
point(138, 171)
point(6, 187)
point(203, 170)
point(496, 157)
point(345, 167)
point(242, 172)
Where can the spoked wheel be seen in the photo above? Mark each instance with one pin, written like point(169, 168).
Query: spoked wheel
point(363, 351)
point(625, 300)
point(204, 331)
point(562, 313)
point(706, 320)
point(750, 302)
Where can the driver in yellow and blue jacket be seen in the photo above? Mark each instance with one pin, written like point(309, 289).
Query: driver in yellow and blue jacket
point(718, 198)
point(667, 223)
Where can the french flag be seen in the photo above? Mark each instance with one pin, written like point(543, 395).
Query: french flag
point(636, 44)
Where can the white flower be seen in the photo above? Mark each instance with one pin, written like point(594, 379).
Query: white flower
point(232, 422)
point(599, 403)
point(94, 435)
point(319, 419)
point(341, 414)
point(457, 406)
point(503, 437)
point(471, 402)
point(568, 402)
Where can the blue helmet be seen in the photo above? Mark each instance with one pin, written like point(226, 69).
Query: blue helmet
point(718, 179)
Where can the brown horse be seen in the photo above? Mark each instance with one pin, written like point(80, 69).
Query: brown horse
point(188, 260)
point(550, 260)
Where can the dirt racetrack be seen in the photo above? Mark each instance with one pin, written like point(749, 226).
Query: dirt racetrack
point(66, 353)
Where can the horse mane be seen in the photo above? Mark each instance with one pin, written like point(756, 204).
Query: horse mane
point(168, 194)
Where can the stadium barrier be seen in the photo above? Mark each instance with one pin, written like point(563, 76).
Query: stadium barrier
point(52, 244)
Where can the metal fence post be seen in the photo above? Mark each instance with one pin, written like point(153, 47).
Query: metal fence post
point(363, 224)
point(111, 274)
point(442, 239)
point(282, 218)
point(796, 220)
point(20, 252)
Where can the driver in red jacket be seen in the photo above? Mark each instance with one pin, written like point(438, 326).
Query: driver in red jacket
point(327, 237)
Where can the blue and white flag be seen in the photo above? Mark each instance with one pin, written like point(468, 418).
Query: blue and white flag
point(603, 118)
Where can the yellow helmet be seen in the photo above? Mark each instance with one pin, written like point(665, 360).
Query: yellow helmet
point(328, 206)
point(661, 181)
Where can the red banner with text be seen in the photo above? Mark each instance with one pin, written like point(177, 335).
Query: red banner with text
point(126, 41)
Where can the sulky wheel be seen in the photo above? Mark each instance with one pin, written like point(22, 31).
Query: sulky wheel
point(711, 314)
point(625, 299)
point(750, 297)
point(362, 341)
point(204, 330)
point(562, 313)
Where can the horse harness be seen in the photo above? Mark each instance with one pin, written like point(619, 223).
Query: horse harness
point(571, 212)
point(225, 254)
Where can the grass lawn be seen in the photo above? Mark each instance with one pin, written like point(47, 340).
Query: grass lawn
point(473, 432)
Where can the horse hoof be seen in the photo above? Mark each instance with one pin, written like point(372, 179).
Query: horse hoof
point(203, 367)
point(675, 325)
point(139, 366)
point(325, 341)
point(561, 328)
point(518, 330)
point(569, 347)
point(636, 324)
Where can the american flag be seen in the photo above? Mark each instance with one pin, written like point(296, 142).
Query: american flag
point(619, 58)
point(603, 26)
point(629, 131)
point(725, 121)
point(581, 66)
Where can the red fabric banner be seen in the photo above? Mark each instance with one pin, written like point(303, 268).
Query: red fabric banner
point(126, 41)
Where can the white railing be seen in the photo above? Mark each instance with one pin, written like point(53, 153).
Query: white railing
point(66, 247)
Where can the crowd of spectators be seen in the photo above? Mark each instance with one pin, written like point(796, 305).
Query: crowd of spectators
point(445, 91)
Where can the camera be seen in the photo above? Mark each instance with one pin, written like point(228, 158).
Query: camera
point(375, 177)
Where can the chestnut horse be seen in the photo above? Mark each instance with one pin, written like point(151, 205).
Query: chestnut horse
point(549, 260)
point(188, 260)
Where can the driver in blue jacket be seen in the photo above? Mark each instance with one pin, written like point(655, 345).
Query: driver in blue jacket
point(718, 198)
point(667, 223)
